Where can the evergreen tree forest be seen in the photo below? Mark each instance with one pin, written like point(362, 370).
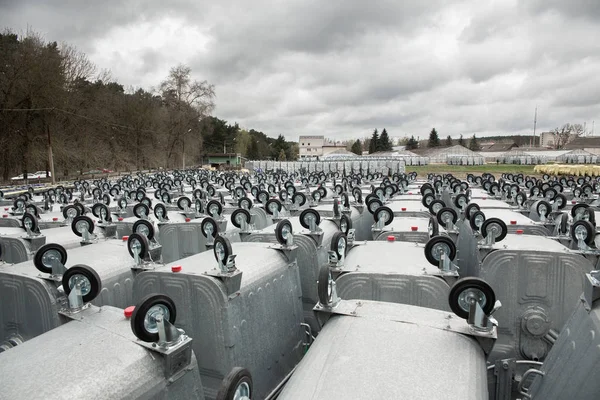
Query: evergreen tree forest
point(380, 142)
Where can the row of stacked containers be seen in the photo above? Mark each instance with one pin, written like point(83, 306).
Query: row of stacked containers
point(383, 165)
point(464, 160)
point(533, 158)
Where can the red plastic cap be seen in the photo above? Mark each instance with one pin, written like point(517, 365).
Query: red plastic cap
point(176, 268)
point(188, 219)
point(128, 311)
point(572, 202)
point(519, 231)
point(5, 216)
point(403, 208)
point(120, 219)
point(414, 228)
point(54, 219)
point(125, 238)
point(484, 198)
point(513, 222)
point(5, 208)
point(391, 238)
point(409, 192)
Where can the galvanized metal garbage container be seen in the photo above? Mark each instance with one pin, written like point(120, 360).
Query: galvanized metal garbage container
point(93, 357)
point(515, 221)
point(312, 252)
point(409, 229)
point(29, 303)
point(360, 218)
point(570, 370)
point(489, 203)
point(184, 239)
point(249, 318)
point(539, 281)
point(17, 246)
point(408, 209)
point(395, 272)
point(376, 350)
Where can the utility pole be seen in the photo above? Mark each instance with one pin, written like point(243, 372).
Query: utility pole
point(534, 126)
point(50, 157)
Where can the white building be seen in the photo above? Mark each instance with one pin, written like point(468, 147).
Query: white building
point(317, 146)
point(547, 139)
point(311, 146)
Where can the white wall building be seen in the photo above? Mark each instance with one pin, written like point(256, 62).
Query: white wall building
point(547, 139)
point(310, 146)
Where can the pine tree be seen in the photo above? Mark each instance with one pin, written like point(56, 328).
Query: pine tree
point(412, 143)
point(374, 144)
point(384, 141)
point(461, 141)
point(357, 148)
point(448, 141)
point(434, 140)
point(473, 145)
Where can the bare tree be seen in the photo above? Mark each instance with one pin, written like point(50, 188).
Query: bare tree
point(190, 102)
point(366, 142)
point(76, 65)
point(402, 141)
point(179, 89)
point(566, 134)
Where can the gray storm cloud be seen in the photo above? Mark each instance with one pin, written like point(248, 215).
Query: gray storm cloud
point(343, 68)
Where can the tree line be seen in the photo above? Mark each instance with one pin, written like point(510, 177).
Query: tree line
point(373, 144)
point(54, 100)
point(561, 136)
point(434, 141)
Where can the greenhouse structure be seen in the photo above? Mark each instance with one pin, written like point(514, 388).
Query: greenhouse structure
point(520, 157)
point(408, 157)
point(456, 155)
point(578, 156)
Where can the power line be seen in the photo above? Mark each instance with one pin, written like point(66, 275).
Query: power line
point(108, 123)
point(27, 109)
point(112, 124)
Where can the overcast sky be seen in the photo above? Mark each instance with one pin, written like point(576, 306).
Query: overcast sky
point(343, 68)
